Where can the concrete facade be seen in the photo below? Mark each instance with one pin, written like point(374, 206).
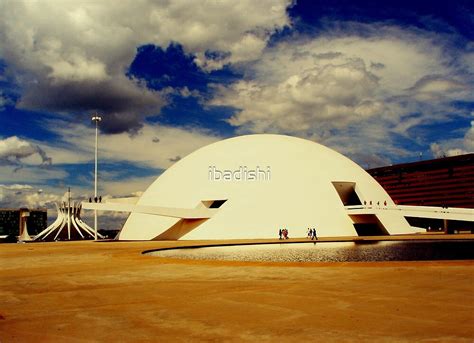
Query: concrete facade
point(252, 186)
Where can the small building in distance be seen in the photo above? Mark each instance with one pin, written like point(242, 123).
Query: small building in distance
point(10, 227)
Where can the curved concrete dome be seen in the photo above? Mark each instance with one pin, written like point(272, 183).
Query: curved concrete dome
point(305, 185)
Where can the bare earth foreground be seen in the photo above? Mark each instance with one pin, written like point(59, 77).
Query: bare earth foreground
point(86, 291)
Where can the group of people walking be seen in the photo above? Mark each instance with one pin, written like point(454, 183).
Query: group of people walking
point(312, 233)
point(283, 233)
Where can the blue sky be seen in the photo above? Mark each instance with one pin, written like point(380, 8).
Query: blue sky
point(380, 84)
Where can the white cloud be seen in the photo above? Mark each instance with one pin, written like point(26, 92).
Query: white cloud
point(130, 187)
point(439, 151)
point(156, 146)
point(340, 93)
point(16, 187)
point(468, 60)
point(24, 195)
point(455, 147)
point(93, 40)
point(31, 173)
point(436, 88)
point(71, 56)
point(14, 150)
point(370, 89)
point(22, 160)
point(406, 56)
point(241, 28)
point(469, 138)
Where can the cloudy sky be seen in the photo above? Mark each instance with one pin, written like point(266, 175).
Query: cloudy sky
point(381, 84)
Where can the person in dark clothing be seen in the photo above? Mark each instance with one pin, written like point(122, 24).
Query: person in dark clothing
point(314, 234)
point(280, 233)
point(100, 198)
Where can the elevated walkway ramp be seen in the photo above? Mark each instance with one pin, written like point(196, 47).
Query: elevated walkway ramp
point(464, 214)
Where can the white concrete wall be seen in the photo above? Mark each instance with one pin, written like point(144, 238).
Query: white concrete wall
point(299, 195)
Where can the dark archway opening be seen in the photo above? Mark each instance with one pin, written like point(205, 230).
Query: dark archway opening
point(347, 193)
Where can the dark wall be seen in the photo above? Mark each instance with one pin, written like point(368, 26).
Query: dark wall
point(441, 182)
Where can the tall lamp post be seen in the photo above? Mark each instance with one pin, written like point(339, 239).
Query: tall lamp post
point(97, 119)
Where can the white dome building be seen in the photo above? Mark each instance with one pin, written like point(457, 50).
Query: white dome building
point(252, 186)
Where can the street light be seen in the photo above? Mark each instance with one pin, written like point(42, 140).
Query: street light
point(97, 119)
